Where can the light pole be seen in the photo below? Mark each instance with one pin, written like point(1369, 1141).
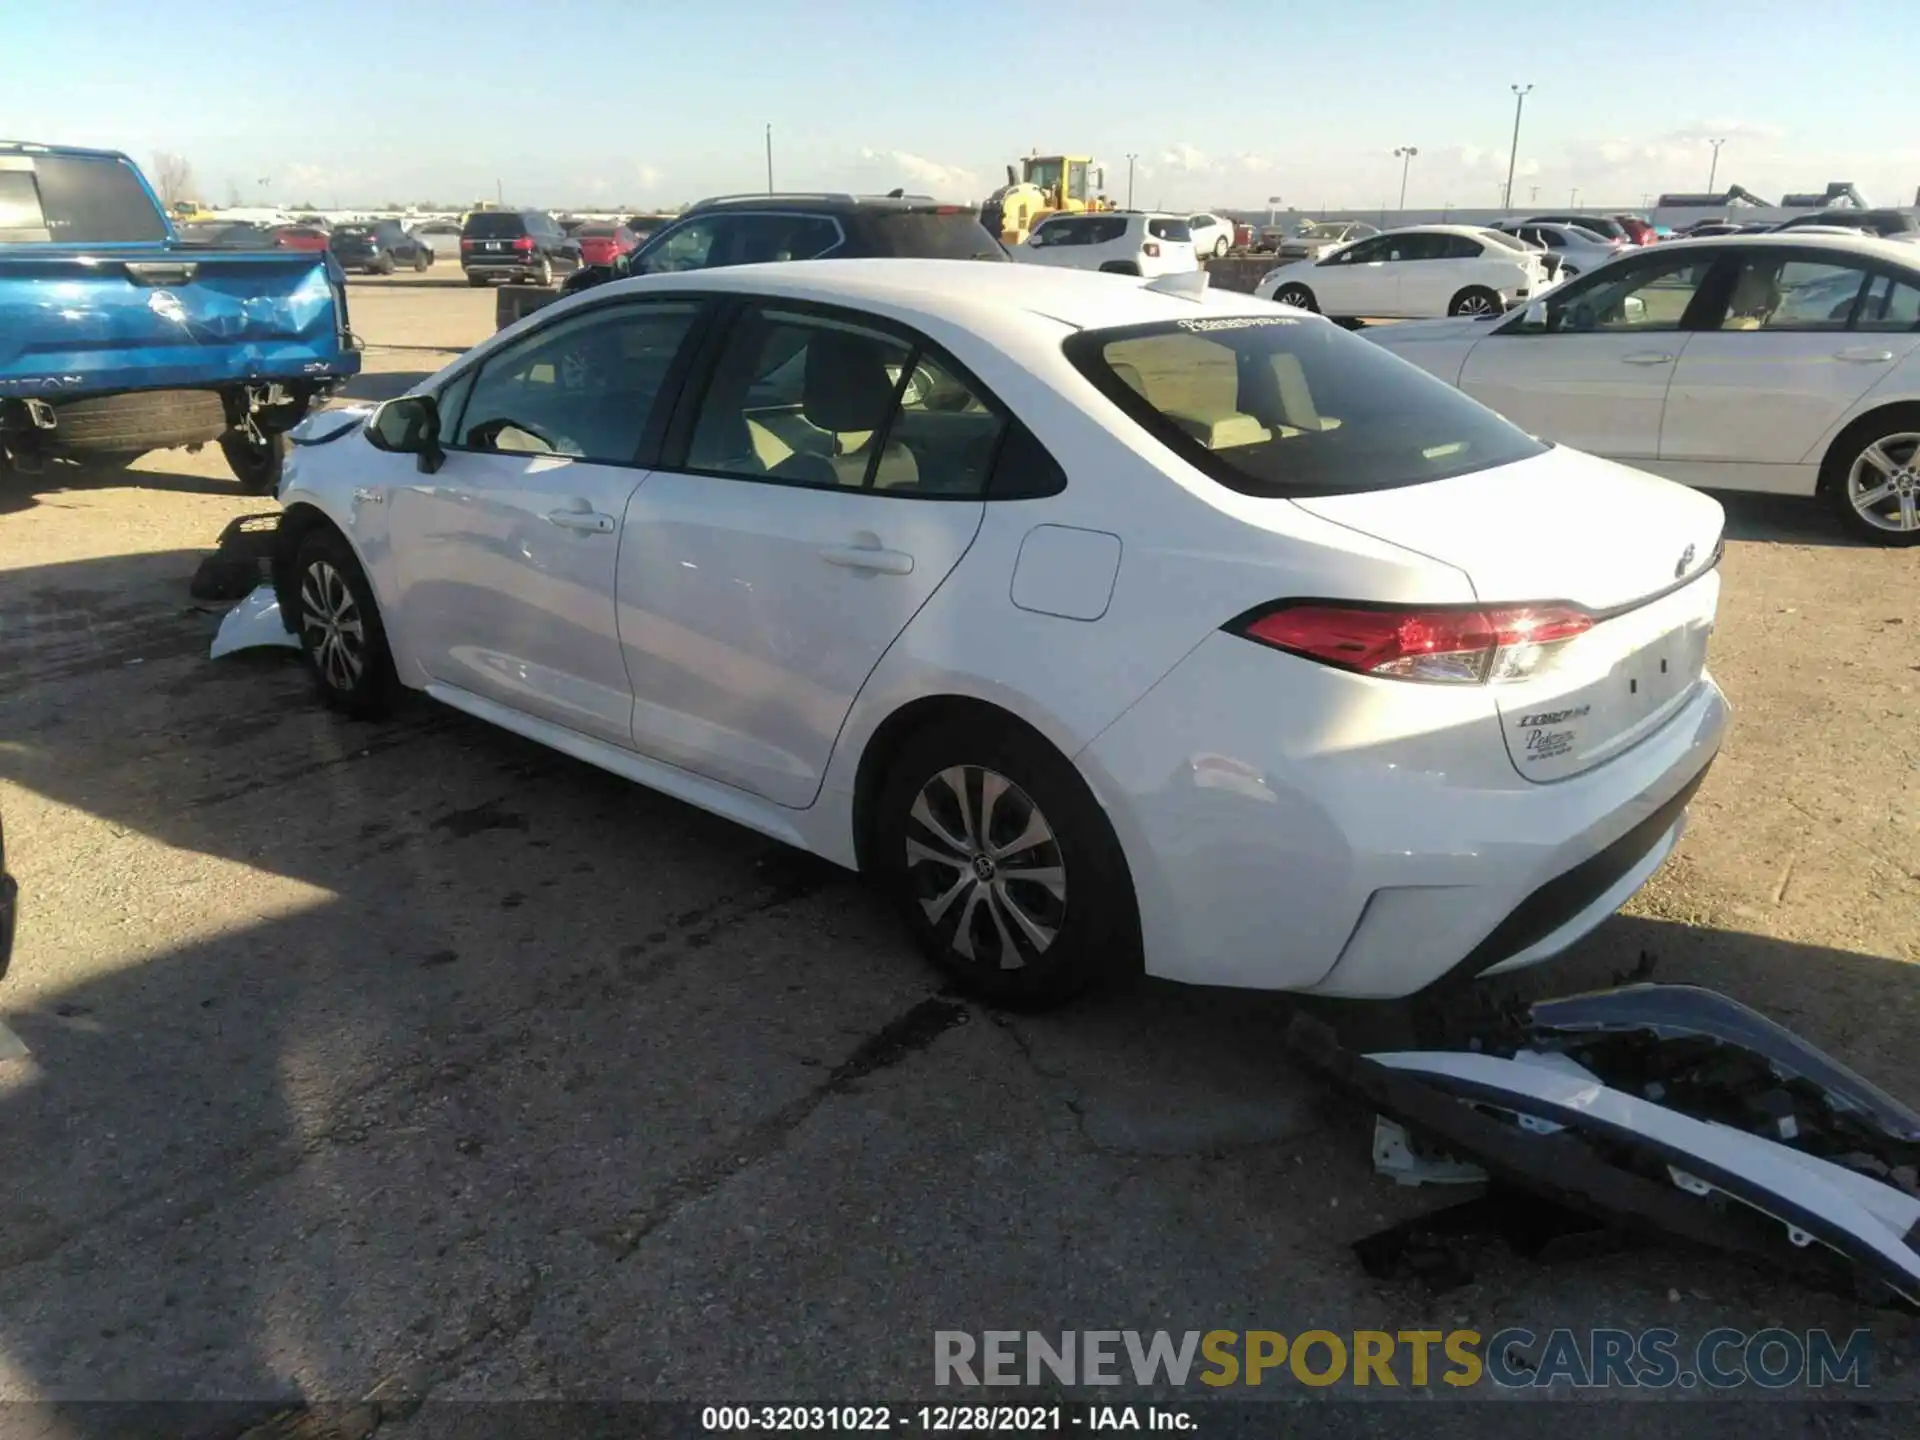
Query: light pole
point(1520, 93)
point(1533, 193)
point(1406, 154)
point(1573, 198)
point(1130, 160)
point(1272, 202)
point(1714, 170)
point(769, 157)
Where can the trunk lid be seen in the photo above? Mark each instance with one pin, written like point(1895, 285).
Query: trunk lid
point(1637, 552)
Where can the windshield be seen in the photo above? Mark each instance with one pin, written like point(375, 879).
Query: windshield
point(1044, 173)
point(494, 225)
point(1282, 406)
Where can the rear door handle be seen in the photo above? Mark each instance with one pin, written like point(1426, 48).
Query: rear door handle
point(1864, 357)
point(861, 557)
point(1647, 357)
point(590, 521)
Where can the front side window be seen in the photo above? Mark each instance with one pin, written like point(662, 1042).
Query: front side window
point(1279, 406)
point(685, 247)
point(1773, 293)
point(1364, 252)
point(1648, 297)
point(804, 399)
point(582, 388)
point(1044, 173)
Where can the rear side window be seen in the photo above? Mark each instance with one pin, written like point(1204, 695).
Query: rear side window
point(20, 217)
point(1169, 229)
point(1889, 305)
point(1277, 406)
point(90, 201)
point(492, 225)
point(1100, 229)
point(918, 234)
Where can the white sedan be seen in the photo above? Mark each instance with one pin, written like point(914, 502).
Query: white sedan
point(1212, 234)
point(1786, 363)
point(1109, 624)
point(1425, 270)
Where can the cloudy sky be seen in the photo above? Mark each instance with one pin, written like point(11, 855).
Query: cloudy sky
point(645, 102)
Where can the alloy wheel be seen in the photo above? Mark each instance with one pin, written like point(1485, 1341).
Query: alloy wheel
point(331, 626)
point(1473, 305)
point(986, 868)
point(1884, 484)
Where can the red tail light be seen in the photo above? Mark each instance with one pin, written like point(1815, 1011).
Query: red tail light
point(1153, 250)
point(465, 244)
point(1468, 645)
point(523, 244)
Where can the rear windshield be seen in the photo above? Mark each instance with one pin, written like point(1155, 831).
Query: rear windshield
point(1284, 406)
point(1500, 237)
point(492, 225)
point(1170, 229)
point(928, 235)
point(595, 232)
point(354, 232)
point(81, 200)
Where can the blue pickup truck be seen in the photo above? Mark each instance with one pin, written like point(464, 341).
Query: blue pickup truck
point(118, 337)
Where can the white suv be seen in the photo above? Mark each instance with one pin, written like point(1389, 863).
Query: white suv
point(1121, 242)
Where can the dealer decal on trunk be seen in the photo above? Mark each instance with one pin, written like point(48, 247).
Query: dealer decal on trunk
point(1545, 743)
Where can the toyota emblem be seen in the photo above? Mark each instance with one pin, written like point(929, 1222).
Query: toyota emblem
point(1686, 559)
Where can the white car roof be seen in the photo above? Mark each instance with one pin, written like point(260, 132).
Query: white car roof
point(1471, 231)
point(955, 291)
point(1866, 246)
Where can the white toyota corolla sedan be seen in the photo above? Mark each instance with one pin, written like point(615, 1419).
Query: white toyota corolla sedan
point(1111, 624)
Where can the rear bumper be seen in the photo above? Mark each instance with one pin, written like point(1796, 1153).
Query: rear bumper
point(1293, 827)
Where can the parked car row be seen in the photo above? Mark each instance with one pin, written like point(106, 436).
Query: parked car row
point(1423, 270)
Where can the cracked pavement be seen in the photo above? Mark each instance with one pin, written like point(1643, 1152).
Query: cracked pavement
point(363, 1052)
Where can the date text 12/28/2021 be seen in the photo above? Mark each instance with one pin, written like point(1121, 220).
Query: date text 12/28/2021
point(941, 1419)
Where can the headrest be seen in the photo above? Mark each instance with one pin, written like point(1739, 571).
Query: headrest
point(846, 385)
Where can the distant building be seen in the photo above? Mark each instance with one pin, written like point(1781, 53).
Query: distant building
point(1733, 195)
point(1840, 195)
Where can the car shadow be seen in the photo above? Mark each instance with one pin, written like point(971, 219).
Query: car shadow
point(23, 490)
point(430, 1004)
point(1785, 520)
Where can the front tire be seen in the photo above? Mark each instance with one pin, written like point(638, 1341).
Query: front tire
point(256, 464)
point(340, 630)
point(1004, 866)
point(1298, 296)
point(1872, 477)
point(1475, 300)
point(543, 277)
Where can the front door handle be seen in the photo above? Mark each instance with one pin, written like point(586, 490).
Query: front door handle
point(861, 557)
point(590, 521)
point(1648, 357)
point(1864, 356)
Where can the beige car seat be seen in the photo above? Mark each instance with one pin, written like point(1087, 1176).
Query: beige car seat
point(847, 393)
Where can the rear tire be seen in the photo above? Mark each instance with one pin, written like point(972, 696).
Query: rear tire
point(422, 258)
point(543, 276)
point(1849, 474)
point(385, 265)
point(1220, 247)
point(1475, 300)
point(1298, 296)
point(340, 630)
point(1004, 866)
point(256, 464)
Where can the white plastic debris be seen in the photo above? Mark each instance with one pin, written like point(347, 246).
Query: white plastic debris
point(253, 624)
point(1396, 1155)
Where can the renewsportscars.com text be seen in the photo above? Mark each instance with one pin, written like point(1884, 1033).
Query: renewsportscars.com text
point(1513, 1358)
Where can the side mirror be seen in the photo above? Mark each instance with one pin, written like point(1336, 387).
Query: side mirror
point(409, 425)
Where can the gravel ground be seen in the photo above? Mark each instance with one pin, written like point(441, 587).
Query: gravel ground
point(412, 1050)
